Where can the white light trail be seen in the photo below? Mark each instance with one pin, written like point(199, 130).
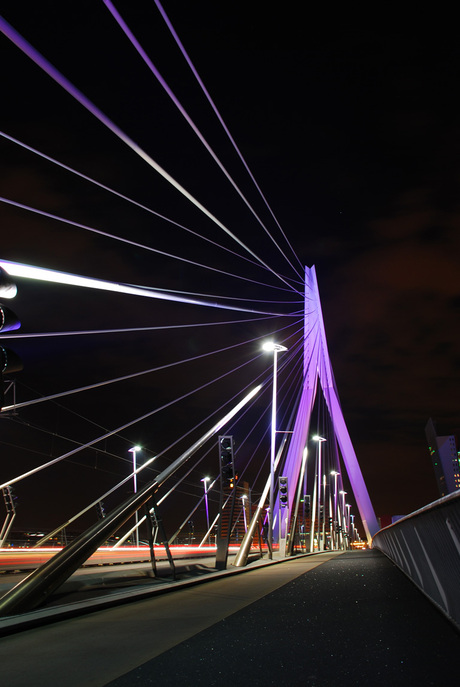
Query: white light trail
point(125, 28)
point(17, 269)
point(56, 75)
point(227, 131)
point(39, 153)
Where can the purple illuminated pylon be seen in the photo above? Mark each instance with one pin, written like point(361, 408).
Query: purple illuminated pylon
point(317, 367)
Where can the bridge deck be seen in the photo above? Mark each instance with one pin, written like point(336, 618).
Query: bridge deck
point(332, 619)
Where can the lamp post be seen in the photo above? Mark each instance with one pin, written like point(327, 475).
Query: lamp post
point(205, 480)
point(342, 517)
point(275, 349)
point(348, 506)
point(324, 514)
point(318, 490)
point(134, 451)
point(335, 474)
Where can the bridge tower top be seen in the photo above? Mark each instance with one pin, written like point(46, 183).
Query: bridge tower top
point(318, 369)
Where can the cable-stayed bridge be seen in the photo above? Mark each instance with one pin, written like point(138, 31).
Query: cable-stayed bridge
point(186, 347)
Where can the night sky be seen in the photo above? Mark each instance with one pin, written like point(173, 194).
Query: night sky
point(350, 129)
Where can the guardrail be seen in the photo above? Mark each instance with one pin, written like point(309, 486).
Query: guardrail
point(425, 545)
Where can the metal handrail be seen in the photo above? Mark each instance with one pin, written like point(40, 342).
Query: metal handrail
point(425, 545)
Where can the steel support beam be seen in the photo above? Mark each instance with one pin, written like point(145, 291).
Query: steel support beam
point(36, 588)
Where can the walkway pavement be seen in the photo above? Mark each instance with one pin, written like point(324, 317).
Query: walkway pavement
point(332, 619)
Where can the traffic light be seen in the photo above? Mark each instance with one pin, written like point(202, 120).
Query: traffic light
point(9, 498)
point(283, 492)
point(227, 469)
point(307, 505)
point(9, 360)
point(233, 481)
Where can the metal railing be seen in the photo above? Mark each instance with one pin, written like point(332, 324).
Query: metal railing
point(425, 545)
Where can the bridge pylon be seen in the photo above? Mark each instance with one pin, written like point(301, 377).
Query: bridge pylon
point(317, 368)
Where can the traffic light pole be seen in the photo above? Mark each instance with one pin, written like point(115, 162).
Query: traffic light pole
point(241, 558)
point(226, 510)
point(10, 514)
point(283, 514)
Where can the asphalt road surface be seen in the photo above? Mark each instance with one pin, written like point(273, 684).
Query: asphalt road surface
point(331, 619)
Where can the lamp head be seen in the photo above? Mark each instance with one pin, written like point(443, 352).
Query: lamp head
point(271, 346)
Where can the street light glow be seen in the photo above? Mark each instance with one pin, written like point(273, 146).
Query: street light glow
point(8, 288)
point(271, 346)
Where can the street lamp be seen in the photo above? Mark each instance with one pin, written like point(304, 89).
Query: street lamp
point(205, 480)
point(348, 522)
point(275, 349)
point(134, 450)
point(334, 520)
point(318, 490)
point(353, 532)
point(342, 517)
point(324, 513)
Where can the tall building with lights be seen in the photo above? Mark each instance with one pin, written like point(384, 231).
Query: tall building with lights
point(445, 457)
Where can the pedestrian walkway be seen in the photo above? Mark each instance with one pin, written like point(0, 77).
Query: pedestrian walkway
point(330, 619)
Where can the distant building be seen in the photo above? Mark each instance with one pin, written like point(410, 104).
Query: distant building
point(386, 520)
point(445, 457)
